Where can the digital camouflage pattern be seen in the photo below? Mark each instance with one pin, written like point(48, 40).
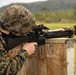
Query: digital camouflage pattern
point(18, 20)
point(10, 66)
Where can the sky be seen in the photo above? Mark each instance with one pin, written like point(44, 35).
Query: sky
point(6, 2)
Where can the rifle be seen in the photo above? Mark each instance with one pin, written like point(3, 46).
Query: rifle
point(38, 34)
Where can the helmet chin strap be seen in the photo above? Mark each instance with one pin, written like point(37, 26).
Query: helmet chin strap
point(4, 31)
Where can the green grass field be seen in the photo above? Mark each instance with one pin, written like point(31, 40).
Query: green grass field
point(60, 25)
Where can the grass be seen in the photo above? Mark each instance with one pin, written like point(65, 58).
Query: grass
point(60, 25)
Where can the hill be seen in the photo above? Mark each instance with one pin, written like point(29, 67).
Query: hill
point(51, 5)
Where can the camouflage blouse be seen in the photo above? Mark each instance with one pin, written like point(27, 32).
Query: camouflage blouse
point(12, 66)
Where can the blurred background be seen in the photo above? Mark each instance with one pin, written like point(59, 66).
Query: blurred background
point(47, 11)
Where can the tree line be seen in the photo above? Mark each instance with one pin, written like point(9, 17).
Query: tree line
point(63, 16)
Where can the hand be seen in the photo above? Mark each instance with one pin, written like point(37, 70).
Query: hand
point(60, 29)
point(30, 47)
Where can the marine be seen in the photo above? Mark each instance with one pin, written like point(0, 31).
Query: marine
point(17, 21)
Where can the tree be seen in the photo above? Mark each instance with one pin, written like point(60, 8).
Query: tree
point(45, 10)
point(74, 12)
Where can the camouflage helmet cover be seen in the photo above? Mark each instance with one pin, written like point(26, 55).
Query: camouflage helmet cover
point(18, 20)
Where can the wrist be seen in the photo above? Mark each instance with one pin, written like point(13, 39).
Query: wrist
point(24, 51)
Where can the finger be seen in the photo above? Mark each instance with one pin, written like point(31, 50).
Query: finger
point(34, 43)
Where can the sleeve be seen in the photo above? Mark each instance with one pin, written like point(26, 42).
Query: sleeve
point(15, 64)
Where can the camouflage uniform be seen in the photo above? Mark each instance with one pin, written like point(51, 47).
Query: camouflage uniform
point(17, 20)
point(10, 66)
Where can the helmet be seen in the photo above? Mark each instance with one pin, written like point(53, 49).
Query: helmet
point(17, 20)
